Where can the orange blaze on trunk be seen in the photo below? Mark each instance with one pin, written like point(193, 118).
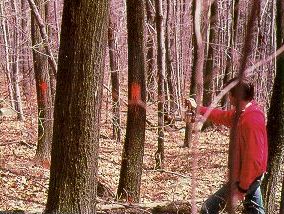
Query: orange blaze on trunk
point(43, 87)
point(135, 92)
point(135, 95)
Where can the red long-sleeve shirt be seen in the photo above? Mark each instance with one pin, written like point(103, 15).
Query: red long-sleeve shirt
point(251, 149)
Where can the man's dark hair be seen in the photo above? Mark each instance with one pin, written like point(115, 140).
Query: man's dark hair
point(244, 90)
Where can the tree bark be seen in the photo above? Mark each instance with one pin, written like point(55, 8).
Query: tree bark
point(159, 155)
point(232, 39)
point(208, 71)
point(25, 69)
point(150, 56)
point(112, 44)
point(43, 89)
point(15, 65)
point(133, 151)
point(73, 173)
point(275, 123)
point(282, 198)
point(169, 81)
point(196, 87)
point(57, 28)
point(6, 31)
point(208, 74)
point(188, 125)
point(44, 36)
point(52, 37)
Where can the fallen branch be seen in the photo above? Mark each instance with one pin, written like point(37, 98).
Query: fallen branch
point(21, 142)
point(153, 208)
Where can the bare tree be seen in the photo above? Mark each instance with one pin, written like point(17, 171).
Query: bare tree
point(15, 63)
point(133, 150)
point(73, 173)
point(196, 90)
point(208, 74)
point(198, 87)
point(170, 90)
point(208, 70)
point(25, 41)
point(275, 123)
point(159, 155)
point(52, 41)
point(43, 89)
point(44, 35)
point(113, 55)
point(150, 48)
point(5, 28)
point(231, 43)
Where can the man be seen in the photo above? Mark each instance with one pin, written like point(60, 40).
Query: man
point(250, 151)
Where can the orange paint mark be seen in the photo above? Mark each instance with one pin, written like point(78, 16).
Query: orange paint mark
point(135, 96)
point(135, 92)
point(43, 87)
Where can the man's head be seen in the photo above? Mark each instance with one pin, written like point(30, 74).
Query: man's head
point(243, 91)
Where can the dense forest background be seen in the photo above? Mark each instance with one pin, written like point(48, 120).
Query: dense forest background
point(95, 92)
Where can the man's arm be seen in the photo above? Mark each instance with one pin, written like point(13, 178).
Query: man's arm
point(218, 116)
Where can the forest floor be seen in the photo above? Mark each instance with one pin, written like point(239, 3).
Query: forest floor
point(24, 183)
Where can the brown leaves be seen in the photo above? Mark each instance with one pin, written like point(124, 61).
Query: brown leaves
point(23, 185)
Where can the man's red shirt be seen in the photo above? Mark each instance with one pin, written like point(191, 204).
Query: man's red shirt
point(252, 148)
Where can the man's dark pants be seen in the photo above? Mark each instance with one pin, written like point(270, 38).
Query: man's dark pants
point(216, 203)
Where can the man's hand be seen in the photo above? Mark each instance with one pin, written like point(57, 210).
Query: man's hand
point(190, 103)
point(237, 196)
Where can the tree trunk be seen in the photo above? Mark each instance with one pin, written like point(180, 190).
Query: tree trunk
point(112, 38)
point(15, 65)
point(275, 123)
point(56, 22)
point(232, 39)
point(6, 31)
point(44, 36)
point(282, 198)
point(159, 155)
point(196, 90)
point(208, 74)
point(52, 36)
point(133, 151)
point(171, 105)
point(25, 51)
point(177, 49)
point(73, 173)
point(208, 71)
point(43, 89)
point(150, 56)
